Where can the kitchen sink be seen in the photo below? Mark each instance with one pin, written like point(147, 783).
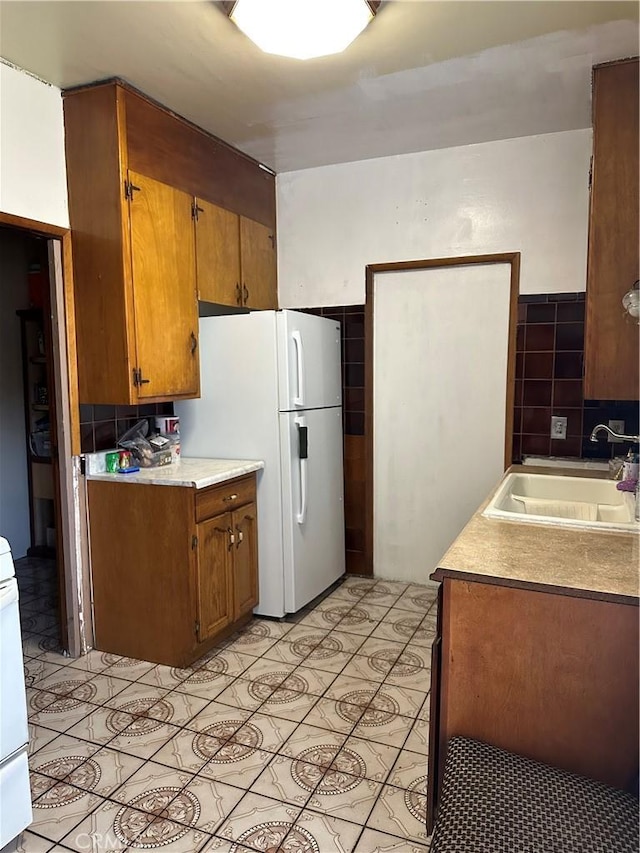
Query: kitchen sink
point(564, 501)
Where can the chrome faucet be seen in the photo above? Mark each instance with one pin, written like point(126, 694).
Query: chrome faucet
point(604, 428)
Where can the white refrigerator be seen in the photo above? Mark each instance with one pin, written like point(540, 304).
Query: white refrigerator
point(271, 389)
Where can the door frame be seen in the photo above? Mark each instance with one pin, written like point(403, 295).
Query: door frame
point(70, 538)
point(373, 270)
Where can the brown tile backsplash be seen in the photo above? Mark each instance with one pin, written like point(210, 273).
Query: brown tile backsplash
point(549, 370)
point(539, 337)
point(101, 426)
point(351, 318)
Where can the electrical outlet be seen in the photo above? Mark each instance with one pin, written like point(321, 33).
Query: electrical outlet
point(558, 427)
point(616, 426)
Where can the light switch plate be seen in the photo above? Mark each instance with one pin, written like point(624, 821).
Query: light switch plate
point(616, 426)
point(558, 427)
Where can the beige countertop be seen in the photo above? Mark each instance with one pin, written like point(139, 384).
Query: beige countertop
point(191, 472)
point(587, 563)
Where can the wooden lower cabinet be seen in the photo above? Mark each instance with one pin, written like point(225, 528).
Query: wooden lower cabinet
point(245, 560)
point(227, 569)
point(549, 676)
point(172, 574)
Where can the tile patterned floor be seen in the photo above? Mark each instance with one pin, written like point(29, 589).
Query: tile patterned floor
point(305, 736)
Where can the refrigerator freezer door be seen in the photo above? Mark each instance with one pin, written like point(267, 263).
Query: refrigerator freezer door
point(313, 503)
point(309, 372)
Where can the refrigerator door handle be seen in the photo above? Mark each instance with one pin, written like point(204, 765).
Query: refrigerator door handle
point(298, 400)
point(303, 453)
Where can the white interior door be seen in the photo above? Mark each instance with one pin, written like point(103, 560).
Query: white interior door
point(440, 364)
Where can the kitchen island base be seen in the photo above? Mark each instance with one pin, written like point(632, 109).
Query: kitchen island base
point(548, 675)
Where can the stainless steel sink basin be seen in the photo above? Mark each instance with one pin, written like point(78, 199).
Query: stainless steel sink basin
point(564, 501)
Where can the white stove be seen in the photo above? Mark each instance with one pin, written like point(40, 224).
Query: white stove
point(15, 795)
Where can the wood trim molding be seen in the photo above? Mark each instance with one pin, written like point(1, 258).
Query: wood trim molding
point(44, 229)
point(72, 350)
point(511, 258)
point(33, 225)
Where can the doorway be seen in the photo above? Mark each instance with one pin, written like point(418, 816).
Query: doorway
point(439, 377)
point(35, 455)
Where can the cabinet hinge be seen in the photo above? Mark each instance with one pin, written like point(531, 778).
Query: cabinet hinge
point(194, 543)
point(129, 189)
point(196, 627)
point(138, 378)
point(196, 211)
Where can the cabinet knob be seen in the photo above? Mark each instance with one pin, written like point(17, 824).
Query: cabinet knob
point(240, 537)
point(194, 343)
point(230, 498)
point(238, 294)
point(232, 538)
point(246, 294)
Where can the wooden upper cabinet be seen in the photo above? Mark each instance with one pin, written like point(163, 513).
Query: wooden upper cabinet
point(611, 346)
point(258, 264)
point(164, 289)
point(137, 268)
point(218, 254)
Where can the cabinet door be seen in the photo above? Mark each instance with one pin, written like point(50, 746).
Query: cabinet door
point(258, 264)
point(611, 347)
point(164, 289)
point(218, 254)
point(245, 560)
point(215, 583)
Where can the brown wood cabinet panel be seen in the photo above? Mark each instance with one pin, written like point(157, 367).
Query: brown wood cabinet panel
point(170, 149)
point(225, 497)
point(164, 286)
point(548, 676)
point(611, 347)
point(245, 559)
point(218, 254)
point(215, 592)
point(143, 570)
point(354, 503)
point(258, 264)
point(96, 171)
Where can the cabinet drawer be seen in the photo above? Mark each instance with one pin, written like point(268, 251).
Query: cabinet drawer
point(227, 496)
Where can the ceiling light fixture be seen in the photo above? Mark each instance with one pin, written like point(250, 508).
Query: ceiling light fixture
point(302, 29)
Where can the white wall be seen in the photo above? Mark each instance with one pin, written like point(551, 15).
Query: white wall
point(528, 195)
point(14, 493)
point(33, 181)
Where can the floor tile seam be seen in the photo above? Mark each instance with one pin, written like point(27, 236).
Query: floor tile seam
point(58, 696)
point(86, 681)
point(99, 806)
point(316, 811)
point(365, 776)
point(279, 802)
point(64, 782)
point(64, 779)
point(410, 720)
point(110, 797)
point(291, 761)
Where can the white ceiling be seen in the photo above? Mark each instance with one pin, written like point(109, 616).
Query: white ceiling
point(425, 74)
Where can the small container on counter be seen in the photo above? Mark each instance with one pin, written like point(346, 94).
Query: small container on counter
point(125, 460)
point(112, 462)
